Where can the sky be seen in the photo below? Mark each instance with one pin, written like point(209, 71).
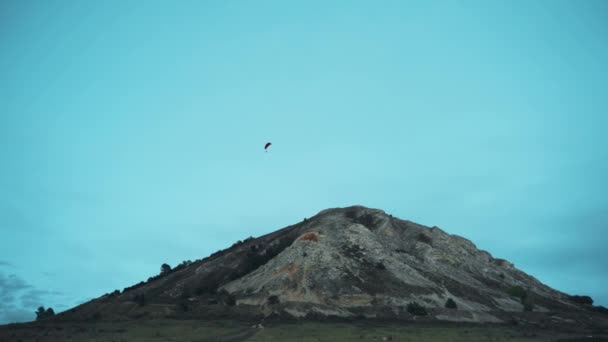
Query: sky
point(132, 132)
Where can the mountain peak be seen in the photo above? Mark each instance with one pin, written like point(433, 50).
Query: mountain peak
point(347, 262)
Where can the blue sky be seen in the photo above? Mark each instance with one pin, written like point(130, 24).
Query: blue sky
point(132, 133)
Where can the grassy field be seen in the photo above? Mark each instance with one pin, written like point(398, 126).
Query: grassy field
point(197, 331)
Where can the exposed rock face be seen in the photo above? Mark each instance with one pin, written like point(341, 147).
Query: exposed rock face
point(355, 260)
point(351, 262)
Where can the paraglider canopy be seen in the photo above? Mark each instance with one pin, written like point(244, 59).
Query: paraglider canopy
point(267, 145)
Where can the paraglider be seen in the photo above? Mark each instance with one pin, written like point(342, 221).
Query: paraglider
point(266, 146)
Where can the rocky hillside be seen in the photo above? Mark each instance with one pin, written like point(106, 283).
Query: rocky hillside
point(347, 262)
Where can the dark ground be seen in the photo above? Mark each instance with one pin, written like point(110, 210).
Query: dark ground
point(227, 330)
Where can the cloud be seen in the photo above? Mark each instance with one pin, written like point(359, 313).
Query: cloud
point(33, 298)
point(12, 314)
point(19, 300)
point(7, 300)
point(11, 284)
point(10, 288)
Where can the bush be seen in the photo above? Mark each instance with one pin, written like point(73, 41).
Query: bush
point(451, 304)
point(600, 309)
point(182, 265)
point(380, 266)
point(310, 236)
point(140, 299)
point(206, 288)
point(273, 300)
point(226, 297)
point(425, 239)
point(183, 304)
point(528, 303)
point(517, 291)
point(185, 293)
point(585, 300)
point(230, 300)
point(523, 295)
point(416, 309)
point(141, 283)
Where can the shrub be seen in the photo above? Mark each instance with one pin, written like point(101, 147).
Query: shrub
point(140, 299)
point(206, 288)
point(183, 304)
point(310, 236)
point(425, 239)
point(185, 293)
point(451, 304)
point(524, 297)
point(585, 300)
point(226, 297)
point(380, 266)
point(517, 291)
point(528, 303)
point(273, 300)
point(277, 248)
point(600, 309)
point(230, 300)
point(141, 283)
point(366, 219)
point(182, 265)
point(416, 309)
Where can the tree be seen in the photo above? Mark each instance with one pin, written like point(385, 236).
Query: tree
point(165, 269)
point(41, 313)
